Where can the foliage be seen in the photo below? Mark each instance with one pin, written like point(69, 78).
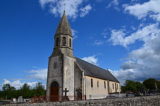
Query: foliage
point(148, 85)
point(8, 91)
point(158, 84)
point(133, 86)
point(26, 91)
point(39, 90)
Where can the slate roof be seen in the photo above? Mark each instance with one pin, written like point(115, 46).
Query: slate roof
point(95, 71)
point(64, 27)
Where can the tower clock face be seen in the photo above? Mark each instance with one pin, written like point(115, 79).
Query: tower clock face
point(55, 65)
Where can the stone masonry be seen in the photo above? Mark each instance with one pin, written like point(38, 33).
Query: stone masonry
point(134, 101)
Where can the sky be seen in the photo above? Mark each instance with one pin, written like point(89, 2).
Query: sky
point(122, 36)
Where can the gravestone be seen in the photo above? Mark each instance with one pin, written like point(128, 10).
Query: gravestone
point(14, 100)
point(20, 99)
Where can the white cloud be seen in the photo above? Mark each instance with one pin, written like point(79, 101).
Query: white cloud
point(72, 7)
point(143, 62)
point(119, 37)
point(123, 75)
point(155, 17)
point(74, 33)
point(150, 8)
point(44, 2)
point(18, 83)
point(85, 10)
point(98, 42)
point(114, 4)
point(40, 74)
point(91, 59)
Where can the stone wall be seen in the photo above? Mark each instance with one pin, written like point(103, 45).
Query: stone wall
point(68, 76)
point(136, 101)
point(54, 73)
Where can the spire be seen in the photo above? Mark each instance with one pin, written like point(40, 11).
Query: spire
point(64, 27)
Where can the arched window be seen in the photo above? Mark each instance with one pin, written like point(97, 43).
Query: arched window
point(57, 42)
point(64, 41)
point(70, 43)
point(91, 83)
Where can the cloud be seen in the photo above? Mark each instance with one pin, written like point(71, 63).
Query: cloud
point(141, 63)
point(74, 33)
point(114, 4)
point(98, 42)
point(40, 74)
point(18, 83)
point(72, 7)
point(85, 10)
point(144, 62)
point(91, 59)
point(150, 8)
point(156, 17)
point(120, 37)
point(35, 75)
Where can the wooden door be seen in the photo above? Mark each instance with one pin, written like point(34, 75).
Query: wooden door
point(54, 93)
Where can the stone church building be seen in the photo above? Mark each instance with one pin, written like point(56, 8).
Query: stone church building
point(72, 78)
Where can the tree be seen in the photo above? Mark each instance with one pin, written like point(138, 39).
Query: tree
point(8, 91)
point(133, 86)
point(158, 85)
point(150, 84)
point(7, 87)
point(130, 86)
point(39, 90)
point(25, 91)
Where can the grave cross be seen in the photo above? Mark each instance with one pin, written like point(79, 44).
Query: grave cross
point(65, 91)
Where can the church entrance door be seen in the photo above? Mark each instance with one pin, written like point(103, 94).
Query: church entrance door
point(54, 91)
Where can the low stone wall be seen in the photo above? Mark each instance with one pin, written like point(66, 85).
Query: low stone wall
point(135, 101)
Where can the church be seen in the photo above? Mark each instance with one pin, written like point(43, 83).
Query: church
point(71, 78)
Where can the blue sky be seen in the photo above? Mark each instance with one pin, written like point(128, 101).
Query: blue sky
point(122, 36)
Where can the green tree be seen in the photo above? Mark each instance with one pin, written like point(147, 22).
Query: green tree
point(39, 90)
point(158, 84)
point(150, 84)
point(7, 87)
point(25, 91)
point(130, 86)
point(8, 91)
point(133, 86)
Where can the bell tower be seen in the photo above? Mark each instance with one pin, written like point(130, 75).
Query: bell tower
point(61, 64)
point(63, 38)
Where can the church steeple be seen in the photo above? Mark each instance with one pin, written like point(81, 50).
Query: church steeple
point(63, 38)
point(64, 27)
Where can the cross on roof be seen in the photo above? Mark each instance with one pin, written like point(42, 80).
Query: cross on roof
point(65, 91)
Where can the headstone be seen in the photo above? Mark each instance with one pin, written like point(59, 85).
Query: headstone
point(20, 99)
point(27, 100)
point(14, 100)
